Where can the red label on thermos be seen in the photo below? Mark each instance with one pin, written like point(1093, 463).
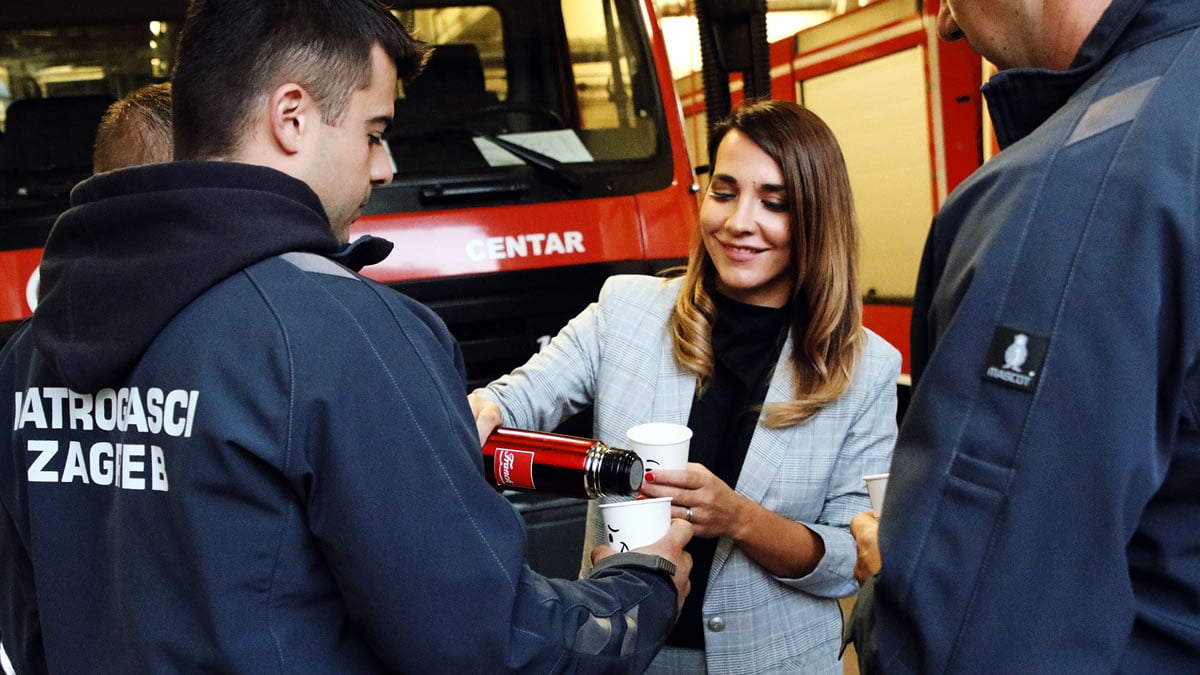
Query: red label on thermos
point(514, 468)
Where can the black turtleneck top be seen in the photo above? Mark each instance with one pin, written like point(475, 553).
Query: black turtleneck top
point(746, 341)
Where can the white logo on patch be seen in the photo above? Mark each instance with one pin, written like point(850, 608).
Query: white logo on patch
point(1017, 352)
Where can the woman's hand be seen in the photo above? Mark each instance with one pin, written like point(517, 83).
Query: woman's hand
point(715, 509)
point(782, 546)
point(487, 416)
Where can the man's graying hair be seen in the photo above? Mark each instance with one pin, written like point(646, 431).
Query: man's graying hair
point(234, 53)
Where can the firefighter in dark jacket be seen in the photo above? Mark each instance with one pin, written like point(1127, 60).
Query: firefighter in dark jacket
point(1043, 510)
point(229, 453)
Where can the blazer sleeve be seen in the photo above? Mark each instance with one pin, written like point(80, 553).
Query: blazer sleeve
point(866, 449)
point(556, 382)
point(609, 340)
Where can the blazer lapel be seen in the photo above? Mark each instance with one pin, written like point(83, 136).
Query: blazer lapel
point(642, 383)
point(676, 388)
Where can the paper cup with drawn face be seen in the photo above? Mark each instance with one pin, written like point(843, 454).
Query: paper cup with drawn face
point(661, 445)
point(876, 487)
point(633, 524)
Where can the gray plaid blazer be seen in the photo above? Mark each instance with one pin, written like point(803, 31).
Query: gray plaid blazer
point(617, 356)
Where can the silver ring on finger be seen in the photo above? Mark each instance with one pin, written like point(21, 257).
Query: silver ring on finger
point(687, 515)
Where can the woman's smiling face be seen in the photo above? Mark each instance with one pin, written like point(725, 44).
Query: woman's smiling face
point(746, 224)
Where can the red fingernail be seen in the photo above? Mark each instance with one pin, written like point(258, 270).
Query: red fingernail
point(650, 476)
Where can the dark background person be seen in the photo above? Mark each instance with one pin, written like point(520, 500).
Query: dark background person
point(228, 452)
point(1042, 509)
point(760, 349)
point(135, 130)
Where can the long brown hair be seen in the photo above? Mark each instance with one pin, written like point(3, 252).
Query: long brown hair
point(824, 260)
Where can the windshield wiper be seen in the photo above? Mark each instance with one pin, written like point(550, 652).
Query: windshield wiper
point(568, 177)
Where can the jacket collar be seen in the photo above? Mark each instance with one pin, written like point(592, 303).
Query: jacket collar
point(1021, 99)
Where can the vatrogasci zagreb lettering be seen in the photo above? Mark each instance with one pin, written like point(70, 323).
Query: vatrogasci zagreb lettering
point(113, 461)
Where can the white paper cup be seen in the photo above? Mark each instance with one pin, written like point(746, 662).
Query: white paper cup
point(630, 525)
point(876, 487)
point(661, 445)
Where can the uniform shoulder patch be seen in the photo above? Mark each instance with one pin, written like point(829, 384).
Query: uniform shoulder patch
point(1015, 358)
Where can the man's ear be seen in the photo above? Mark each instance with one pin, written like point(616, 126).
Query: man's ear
point(291, 112)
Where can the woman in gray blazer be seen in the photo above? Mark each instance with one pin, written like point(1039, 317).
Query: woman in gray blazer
point(759, 348)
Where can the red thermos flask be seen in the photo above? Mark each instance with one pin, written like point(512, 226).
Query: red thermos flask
point(579, 467)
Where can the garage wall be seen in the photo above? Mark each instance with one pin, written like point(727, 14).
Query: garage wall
point(878, 110)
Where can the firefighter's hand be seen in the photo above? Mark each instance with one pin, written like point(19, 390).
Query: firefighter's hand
point(865, 528)
point(487, 416)
point(670, 547)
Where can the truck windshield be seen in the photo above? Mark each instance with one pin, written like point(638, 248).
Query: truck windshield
point(571, 80)
point(55, 83)
point(87, 60)
point(591, 103)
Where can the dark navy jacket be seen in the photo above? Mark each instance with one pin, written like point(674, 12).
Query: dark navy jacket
point(231, 454)
point(1043, 511)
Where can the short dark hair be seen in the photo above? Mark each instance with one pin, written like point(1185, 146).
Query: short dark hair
point(135, 130)
point(232, 53)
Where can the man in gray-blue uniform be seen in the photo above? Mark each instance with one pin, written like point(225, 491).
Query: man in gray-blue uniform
point(226, 452)
point(1043, 510)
